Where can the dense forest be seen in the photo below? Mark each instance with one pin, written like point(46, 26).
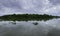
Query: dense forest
point(26, 17)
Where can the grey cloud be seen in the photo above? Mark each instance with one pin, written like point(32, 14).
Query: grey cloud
point(10, 3)
point(24, 5)
point(55, 2)
point(27, 6)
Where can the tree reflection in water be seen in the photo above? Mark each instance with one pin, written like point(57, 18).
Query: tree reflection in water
point(35, 23)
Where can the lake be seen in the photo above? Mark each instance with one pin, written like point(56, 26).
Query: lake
point(30, 28)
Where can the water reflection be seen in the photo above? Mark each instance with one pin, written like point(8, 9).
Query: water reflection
point(54, 32)
point(35, 23)
point(14, 22)
point(23, 28)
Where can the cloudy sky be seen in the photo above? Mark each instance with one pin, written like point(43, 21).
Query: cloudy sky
point(51, 7)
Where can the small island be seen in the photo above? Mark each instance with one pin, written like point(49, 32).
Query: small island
point(26, 17)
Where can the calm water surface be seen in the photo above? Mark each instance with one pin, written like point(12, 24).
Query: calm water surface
point(30, 28)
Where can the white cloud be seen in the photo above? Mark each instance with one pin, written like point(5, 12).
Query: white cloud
point(6, 10)
point(55, 10)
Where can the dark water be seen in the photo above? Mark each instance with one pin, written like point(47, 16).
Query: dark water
point(30, 28)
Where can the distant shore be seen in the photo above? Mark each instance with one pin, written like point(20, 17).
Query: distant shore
point(19, 17)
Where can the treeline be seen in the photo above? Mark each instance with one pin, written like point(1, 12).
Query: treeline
point(19, 17)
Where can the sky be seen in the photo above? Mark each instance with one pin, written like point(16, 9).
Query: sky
point(51, 7)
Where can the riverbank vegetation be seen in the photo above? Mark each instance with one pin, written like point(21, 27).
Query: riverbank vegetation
point(26, 17)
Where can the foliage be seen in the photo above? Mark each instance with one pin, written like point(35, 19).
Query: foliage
point(19, 17)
